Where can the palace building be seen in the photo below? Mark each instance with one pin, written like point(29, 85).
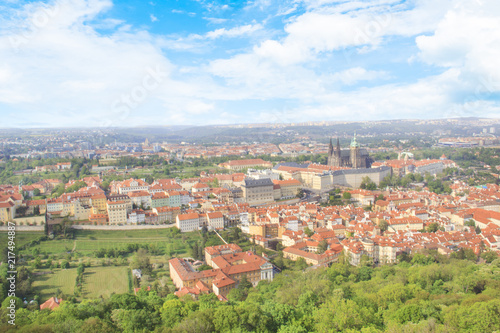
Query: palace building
point(229, 262)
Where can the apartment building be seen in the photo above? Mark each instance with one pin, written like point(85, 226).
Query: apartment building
point(117, 212)
point(188, 222)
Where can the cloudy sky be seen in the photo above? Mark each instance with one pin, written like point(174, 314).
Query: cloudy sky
point(164, 62)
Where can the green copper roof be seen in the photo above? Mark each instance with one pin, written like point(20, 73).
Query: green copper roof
point(354, 143)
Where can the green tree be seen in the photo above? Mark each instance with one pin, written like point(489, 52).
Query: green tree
point(433, 227)
point(300, 264)
point(409, 313)
point(135, 320)
point(37, 264)
point(365, 273)
point(141, 260)
point(173, 311)
point(383, 225)
point(368, 184)
point(194, 250)
point(464, 253)
point(226, 319)
point(322, 246)
point(480, 317)
point(236, 295)
point(245, 284)
point(489, 256)
point(339, 315)
point(96, 325)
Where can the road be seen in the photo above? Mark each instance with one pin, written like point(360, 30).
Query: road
point(310, 196)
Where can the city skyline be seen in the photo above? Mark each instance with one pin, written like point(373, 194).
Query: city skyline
point(100, 63)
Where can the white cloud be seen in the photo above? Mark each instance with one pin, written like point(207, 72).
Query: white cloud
point(364, 25)
point(198, 43)
point(354, 75)
point(177, 11)
point(65, 73)
point(215, 20)
point(468, 41)
point(61, 69)
point(153, 18)
point(234, 32)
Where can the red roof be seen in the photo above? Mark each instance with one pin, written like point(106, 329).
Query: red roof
point(7, 204)
point(248, 162)
point(51, 304)
point(288, 182)
point(189, 216)
point(215, 215)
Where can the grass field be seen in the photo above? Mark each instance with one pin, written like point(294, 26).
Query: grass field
point(165, 241)
point(103, 281)
point(46, 285)
point(21, 238)
point(86, 242)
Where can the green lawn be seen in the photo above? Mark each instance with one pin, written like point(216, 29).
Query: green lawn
point(86, 242)
point(103, 281)
point(123, 234)
point(46, 285)
point(53, 246)
point(21, 238)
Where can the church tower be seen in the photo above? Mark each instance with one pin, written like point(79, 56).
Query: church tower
point(334, 155)
point(355, 157)
point(330, 153)
point(338, 155)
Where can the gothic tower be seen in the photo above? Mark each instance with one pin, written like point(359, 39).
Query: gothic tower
point(337, 152)
point(330, 153)
point(334, 155)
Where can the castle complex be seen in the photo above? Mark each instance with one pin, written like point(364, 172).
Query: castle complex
point(354, 157)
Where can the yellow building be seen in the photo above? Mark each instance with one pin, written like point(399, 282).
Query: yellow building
point(269, 230)
point(7, 211)
point(98, 202)
point(288, 188)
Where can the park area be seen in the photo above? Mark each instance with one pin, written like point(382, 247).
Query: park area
point(97, 282)
point(48, 283)
point(104, 281)
point(86, 242)
point(107, 256)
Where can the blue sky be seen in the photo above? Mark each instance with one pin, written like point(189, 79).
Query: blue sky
point(102, 63)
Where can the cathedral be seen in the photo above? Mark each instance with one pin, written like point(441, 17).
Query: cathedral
point(354, 157)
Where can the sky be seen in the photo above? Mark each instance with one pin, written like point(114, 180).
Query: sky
point(104, 63)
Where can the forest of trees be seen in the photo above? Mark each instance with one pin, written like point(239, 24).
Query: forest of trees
point(424, 293)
